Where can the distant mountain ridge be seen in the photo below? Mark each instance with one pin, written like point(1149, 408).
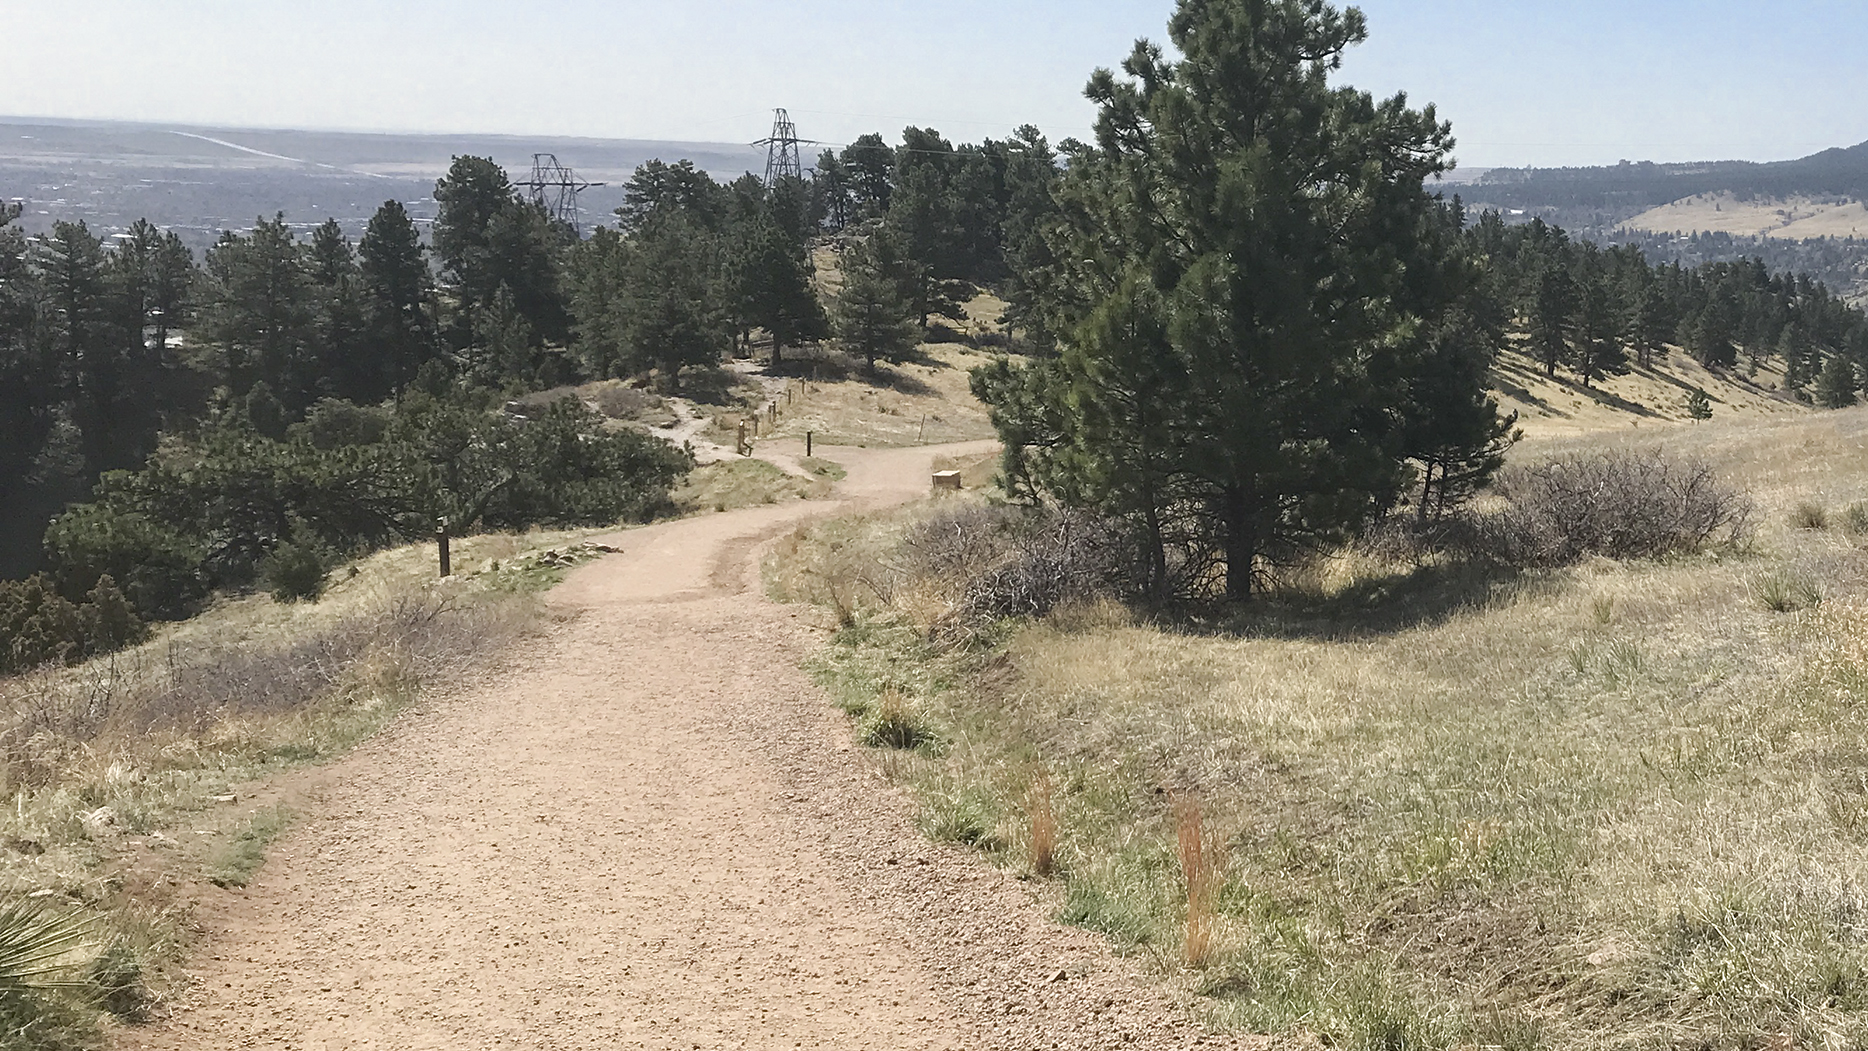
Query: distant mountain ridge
point(1632, 188)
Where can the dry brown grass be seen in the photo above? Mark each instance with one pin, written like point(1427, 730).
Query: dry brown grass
point(1794, 218)
point(732, 484)
point(1642, 400)
point(924, 401)
point(1041, 845)
point(1199, 872)
point(1617, 805)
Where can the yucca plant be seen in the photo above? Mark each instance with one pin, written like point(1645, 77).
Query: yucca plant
point(37, 945)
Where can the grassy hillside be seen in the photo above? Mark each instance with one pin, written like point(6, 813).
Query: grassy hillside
point(1643, 398)
point(1794, 218)
point(1618, 805)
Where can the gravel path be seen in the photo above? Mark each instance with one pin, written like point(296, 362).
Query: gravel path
point(648, 830)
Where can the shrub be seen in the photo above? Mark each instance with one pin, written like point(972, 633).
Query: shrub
point(1618, 505)
point(212, 513)
point(334, 424)
point(39, 626)
point(1005, 561)
point(1855, 519)
point(158, 569)
point(108, 620)
point(295, 570)
point(1808, 515)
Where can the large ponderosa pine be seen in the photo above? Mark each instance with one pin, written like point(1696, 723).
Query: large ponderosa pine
point(1252, 294)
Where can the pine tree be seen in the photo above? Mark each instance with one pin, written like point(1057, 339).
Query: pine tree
point(397, 294)
point(1598, 351)
point(1553, 314)
point(674, 315)
point(1250, 276)
point(769, 273)
point(261, 312)
point(1837, 383)
point(86, 341)
point(872, 315)
point(348, 366)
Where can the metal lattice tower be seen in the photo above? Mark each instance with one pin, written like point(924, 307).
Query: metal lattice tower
point(781, 150)
point(555, 187)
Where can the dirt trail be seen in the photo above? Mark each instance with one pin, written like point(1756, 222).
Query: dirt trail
point(648, 830)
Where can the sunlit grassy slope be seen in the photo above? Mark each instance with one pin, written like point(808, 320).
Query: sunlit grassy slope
point(1621, 805)
point(1795, 218)
point(1644, 398)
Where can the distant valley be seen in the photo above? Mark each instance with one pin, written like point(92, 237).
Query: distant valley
point(199, 181)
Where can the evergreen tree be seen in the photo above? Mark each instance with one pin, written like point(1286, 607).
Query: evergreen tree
point(397, 291)
point(1031, 174)
point(671, 302)
point(599, 272)
point(348, 366)
point(89, 351)
point(1837, 383)
point(869, 166)
point(769, 273)
point(658, 188)
point(1552, 314)
point(485, 236)
point(1709, 337)
point(1269, 237)
point(1649, 322)
point(262, 311)
point(1598, 349)
point(872, 315)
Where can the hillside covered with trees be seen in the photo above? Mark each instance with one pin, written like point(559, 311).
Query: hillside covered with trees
point(202, 424)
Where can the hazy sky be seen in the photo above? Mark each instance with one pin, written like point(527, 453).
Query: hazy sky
point(1545, 82)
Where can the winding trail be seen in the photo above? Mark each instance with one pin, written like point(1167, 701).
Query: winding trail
point(647, 830)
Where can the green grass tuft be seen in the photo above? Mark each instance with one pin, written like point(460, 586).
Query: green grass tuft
point(243, 854)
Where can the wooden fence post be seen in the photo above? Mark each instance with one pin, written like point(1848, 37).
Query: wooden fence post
point(807, 443)
point(441, 545)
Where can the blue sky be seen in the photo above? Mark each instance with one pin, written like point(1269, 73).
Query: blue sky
point(1578, 82)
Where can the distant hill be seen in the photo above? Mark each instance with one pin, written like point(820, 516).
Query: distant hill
point(1632, 188)
point(202, 180)
point(1801, 216)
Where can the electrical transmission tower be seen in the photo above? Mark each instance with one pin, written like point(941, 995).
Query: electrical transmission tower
point(781, 150)
point(555, 187)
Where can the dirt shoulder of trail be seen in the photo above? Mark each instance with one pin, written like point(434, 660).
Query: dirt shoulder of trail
point(648, 829)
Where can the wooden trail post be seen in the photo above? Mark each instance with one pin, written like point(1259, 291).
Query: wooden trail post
point(807, 443)
point(441, 547)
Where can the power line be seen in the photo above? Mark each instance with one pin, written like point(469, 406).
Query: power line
point(555, 188)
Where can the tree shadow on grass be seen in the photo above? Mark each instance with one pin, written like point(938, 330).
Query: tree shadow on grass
point(825, 365)
point(711, 385)
point(1421, 597)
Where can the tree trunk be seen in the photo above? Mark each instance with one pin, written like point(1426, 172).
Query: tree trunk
point(1241, 545)
point(1157, 549)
